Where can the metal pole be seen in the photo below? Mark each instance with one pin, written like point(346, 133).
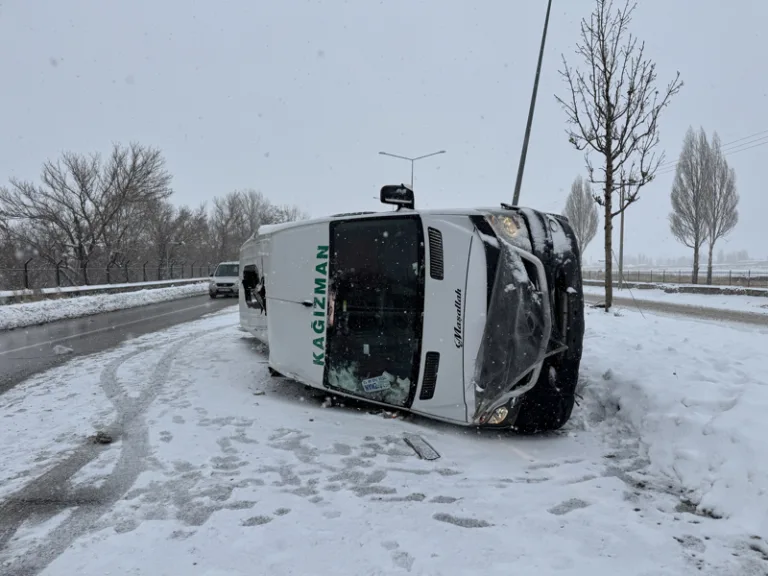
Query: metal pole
point(412, 163)
point(167, 263)
point(524, 153)
point(621, 237)
point(26, 273)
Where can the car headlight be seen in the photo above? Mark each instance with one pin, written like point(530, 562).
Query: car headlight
point(499, 415)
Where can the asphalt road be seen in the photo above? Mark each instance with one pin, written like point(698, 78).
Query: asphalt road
point(26, 351)
point(684, 310)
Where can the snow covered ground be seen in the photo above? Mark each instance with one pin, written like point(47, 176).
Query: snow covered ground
point(218, 470)
point(735, 302)
point(32, 313)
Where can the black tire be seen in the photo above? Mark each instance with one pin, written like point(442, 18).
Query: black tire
point(548, 406)
point(212, 295)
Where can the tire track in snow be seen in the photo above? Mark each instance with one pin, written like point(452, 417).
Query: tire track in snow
point(51, 493)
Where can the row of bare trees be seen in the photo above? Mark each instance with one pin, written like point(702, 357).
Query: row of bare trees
point(704, 197)
point(613, 107)
point(90, 212)
point(704, 201)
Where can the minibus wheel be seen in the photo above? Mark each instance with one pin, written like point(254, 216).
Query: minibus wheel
point(548, 406)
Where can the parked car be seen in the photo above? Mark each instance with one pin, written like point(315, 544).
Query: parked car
point(225, 280)
point(472, 316)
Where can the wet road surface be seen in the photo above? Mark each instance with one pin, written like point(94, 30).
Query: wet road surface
point(713, 314)
point(27, 351)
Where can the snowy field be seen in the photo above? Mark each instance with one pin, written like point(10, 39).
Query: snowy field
point(218, 470)
point(735, 302)
point(32, 313)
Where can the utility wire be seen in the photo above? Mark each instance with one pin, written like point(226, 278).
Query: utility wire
point(670, 167)
point(761, 134)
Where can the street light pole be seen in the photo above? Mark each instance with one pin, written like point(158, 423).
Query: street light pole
point(412, 160)
point(524, 153)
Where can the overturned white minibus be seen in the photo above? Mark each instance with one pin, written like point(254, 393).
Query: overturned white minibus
point(474, 317)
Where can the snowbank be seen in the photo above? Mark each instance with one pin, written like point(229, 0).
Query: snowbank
point(97, 287)
point(696, 394)
point(735, 302)
point(30, 314)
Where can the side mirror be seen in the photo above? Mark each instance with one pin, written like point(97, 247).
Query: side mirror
point(398, 194)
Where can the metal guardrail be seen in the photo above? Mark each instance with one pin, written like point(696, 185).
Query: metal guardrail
point(13, 296)
point(720, 277)
point(31, 277)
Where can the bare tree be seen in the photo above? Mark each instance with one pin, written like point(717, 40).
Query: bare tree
point(258, 210)
point(613, 109)
point(582, 212)
point(238, 215)
point(722, 202)
point(690, 192)
point(227, 222)
point(288, 213)
point(83, 202)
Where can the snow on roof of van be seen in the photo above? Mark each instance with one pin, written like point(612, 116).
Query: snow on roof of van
point(267, 229)
point(271, 228)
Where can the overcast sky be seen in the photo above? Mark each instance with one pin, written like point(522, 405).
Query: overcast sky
point(295, 97)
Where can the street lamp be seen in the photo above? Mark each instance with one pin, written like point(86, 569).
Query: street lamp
point(412, 160)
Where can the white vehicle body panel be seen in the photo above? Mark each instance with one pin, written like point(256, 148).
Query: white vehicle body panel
point(444, 327)
point(297, 274)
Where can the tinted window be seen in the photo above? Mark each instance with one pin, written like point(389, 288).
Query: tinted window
point(376, 301)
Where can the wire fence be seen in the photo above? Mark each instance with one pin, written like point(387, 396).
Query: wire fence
point(720, 277)
point(36, 277)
